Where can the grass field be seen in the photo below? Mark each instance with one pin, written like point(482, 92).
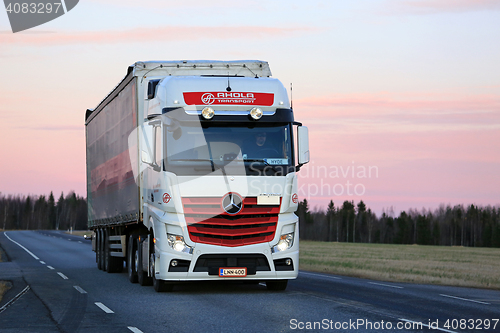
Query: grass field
point(4, 286)
point(452, 266)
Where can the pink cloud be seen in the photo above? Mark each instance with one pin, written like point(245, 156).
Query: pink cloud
point(383, 113)
point(436, 6)
point(428, 150)
point(164, 33)
point(60, 128)
point(183, 4)
point(367, 103)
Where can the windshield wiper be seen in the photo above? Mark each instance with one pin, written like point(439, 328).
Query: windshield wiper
point(196, 160)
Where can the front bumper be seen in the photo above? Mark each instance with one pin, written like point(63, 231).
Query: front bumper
point(204, 263)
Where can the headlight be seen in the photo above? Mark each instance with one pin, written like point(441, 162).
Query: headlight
point(207, 112)
point(177, 244)
point(285, 242)
point(256, 113)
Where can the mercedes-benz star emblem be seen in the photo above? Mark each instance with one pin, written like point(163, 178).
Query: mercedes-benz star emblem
point(232, 203)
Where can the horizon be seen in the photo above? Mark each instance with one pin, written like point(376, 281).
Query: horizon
point(411, 88)
point(316, 208)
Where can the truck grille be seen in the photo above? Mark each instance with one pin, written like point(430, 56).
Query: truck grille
point(208, 223)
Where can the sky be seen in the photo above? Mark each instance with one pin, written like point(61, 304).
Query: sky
point(401, 97)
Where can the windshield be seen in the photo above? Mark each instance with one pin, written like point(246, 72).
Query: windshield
point(194, 149)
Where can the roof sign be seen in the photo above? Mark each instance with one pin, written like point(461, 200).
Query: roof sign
point(228, 98)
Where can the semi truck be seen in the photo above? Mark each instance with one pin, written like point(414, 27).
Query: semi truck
point(192, 174)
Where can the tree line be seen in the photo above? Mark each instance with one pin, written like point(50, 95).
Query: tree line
point(459, 225)
point(452, 226)
point(43, 212)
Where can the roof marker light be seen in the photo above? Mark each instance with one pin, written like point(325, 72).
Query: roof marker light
point(207, 112)
point(256, 113)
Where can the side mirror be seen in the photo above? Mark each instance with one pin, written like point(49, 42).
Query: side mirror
point(303, 145)
point(152, 88)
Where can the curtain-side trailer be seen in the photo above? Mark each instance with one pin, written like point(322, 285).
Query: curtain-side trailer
point(192, 174)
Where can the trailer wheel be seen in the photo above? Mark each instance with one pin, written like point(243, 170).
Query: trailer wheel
point(277, 285)
point(98, 249)
point(131, 259)
point(105, 250)
point(113, 264)
point(101, 250)
point(142, 276)
point(158, 285)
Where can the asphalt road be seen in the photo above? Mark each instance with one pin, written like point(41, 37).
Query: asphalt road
point(57, 288)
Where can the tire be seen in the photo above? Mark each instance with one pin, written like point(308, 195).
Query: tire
point(158, 285)
point(142, 276)
point(98, 249)
point(101, 251)
point(111, 264)
point(105, 250)
point(131, 264)
point(277, 285)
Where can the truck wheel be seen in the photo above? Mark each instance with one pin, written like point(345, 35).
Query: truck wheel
point(142, 276)
point(277, 285)
point(101, 251)
point(158, 285)
point(98, 249)
point(131, 263)
point(105, 250)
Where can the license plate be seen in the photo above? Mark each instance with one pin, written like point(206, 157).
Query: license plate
point(233, 272)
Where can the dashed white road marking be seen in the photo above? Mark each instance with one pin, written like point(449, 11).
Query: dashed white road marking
point(42, 262)
point(320, 275)
point(50, 267)
point(385, 285)
point(22, 247)
point(80, 289)
point(464, 299)
point(104, 307)
point(62, 275)
point(134, 329)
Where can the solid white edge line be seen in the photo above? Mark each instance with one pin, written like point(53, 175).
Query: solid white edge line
point(320, 275)
point(104, 307)
point(80, 289)
point(50, 267)
point(385, 285)
point(63, 3)
point(433, 328)
point(134, 329)
point(464, 299)
point(24, 291)
point(62, 275)
point(22, 247)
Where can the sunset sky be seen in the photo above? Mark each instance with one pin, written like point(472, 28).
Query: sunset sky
point(406, 89)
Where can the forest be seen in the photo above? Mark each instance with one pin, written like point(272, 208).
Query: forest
point(43, 212)
point(459, 225)
point(471, 225)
